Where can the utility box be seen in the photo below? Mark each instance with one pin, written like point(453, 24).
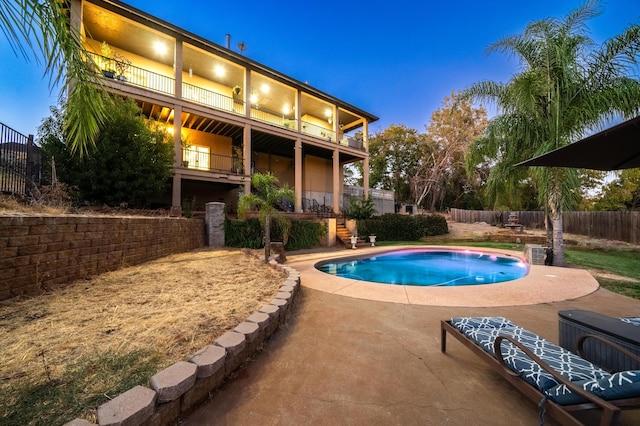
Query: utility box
point(535, 254)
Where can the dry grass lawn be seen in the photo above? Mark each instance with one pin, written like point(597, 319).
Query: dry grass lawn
point(174, 306)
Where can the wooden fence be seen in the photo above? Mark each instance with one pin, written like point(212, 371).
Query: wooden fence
point(619, 225)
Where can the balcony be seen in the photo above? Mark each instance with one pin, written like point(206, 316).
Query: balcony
point(199, 158)
point(121, 70)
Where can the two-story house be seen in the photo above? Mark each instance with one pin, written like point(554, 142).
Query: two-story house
point(229, 116)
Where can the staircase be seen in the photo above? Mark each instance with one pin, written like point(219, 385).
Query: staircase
point(343, 234)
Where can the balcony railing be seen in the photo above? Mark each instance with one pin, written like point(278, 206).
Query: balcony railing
point(127, 73)
point(198, 160)
point(267, 116)
point(123, 71)
point(318, 131)
point(212, 99)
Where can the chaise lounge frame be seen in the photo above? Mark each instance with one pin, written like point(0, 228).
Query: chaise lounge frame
point(611, 410)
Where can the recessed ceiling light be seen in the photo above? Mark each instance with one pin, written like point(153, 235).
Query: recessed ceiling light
point(219, 70)
point(160, 47)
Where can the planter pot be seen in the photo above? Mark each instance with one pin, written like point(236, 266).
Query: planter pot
point(354, 241)
point(372, 240)
point(109, 74)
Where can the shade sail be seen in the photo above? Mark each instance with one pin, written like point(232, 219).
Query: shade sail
point(612, 149)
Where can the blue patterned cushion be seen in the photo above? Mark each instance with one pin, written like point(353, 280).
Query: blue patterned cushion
point(625, 384)
point(631, 320)
point(462, 323)
point(564, 362)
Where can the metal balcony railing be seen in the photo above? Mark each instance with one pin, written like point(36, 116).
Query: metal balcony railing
point(318, 131)
point(198, 160)
point(122, 70)
point(267, 116)
point(212, 99)
point(125, 72)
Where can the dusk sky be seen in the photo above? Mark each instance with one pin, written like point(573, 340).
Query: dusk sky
point(394, 59)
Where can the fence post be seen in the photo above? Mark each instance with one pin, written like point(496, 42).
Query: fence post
point(28, 183)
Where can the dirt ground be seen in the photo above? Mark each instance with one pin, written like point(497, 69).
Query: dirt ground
point(177, 305)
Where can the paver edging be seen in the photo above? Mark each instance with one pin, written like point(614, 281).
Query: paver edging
point(203, 387)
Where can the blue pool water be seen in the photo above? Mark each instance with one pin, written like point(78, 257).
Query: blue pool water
point(429, 267)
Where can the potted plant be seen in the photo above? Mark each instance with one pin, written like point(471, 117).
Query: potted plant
point(236, 90)
point(122, 65)
point(108, 69)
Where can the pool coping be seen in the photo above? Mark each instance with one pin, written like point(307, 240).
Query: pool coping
point(543, 284)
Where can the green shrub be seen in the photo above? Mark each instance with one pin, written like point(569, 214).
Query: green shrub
point(248, 234)
point(243, 233)
point(304, 234)
point(396, 227)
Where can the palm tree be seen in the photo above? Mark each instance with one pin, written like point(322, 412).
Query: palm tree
point(566, 88)
point(44, 29)
point(266, 197)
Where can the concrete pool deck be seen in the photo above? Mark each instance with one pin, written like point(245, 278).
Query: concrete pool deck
point(358, 361)
point(543, 284)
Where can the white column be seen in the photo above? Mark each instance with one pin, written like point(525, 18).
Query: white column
point(336, 181)
point(298, 175)
point(365, 176)
point(247, 93)
point(176, 194)
point(247, 157)
point(365, 165)
point(177, 60)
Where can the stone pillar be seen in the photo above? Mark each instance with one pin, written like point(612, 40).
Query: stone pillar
point(214, 219)
point(331, 225)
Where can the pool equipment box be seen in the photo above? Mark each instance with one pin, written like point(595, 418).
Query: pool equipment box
point(535, 254)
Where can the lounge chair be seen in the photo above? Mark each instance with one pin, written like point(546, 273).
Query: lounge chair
point(558, 380)
point(624, 331)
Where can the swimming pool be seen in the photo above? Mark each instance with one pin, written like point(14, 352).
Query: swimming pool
point(429, 267)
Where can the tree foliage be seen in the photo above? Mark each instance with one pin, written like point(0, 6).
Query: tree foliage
point(395, 155)
point(622, 193)
point(131, 162)
point(360, 208)
point(265, 197)
point(441, 172)
point(565, 88)
point(43, 30)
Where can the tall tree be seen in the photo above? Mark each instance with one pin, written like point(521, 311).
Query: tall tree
point(622, 193)
point(453, 127)
point(565, 88)
point(131, 163)
point(267, 193)
point(43, 29)
point(395, 154)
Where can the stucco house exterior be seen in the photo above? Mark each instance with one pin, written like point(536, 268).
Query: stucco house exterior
point(229, 116)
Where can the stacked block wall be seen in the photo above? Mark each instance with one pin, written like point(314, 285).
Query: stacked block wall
point(38, 253)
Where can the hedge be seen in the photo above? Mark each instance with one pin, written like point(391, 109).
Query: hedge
point(248, 234)
point(397, 227)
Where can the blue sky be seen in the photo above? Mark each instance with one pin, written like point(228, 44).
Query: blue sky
point(395, 59)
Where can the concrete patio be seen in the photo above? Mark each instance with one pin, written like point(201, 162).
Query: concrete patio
point(373, 357)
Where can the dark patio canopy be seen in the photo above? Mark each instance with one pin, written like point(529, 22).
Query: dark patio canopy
point(612, 149)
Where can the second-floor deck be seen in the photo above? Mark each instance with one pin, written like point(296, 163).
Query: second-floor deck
point(124, 72)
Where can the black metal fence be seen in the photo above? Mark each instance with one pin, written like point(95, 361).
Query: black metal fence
point(20, 162)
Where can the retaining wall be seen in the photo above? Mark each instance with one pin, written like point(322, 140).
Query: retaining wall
point(38, 253)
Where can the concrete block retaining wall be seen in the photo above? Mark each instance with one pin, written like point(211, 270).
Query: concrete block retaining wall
point(179, 388)
point(42, 252)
